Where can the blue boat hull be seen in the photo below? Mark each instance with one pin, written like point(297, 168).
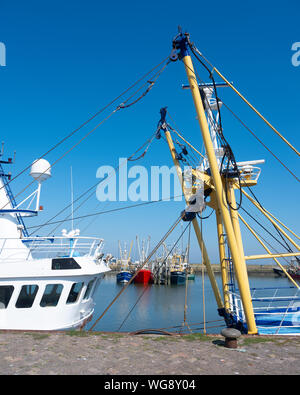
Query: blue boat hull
point(178, 277)
point(124, 277)
point(278, 321)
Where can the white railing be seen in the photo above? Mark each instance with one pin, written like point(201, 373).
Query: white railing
point(40, 247)
point(276, 310)
point(250, 173)
point(236, 306)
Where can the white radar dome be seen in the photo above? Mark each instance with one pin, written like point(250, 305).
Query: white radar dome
point(40, 170)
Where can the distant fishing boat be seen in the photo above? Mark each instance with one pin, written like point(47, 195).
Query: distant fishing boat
point(279, 272)
point(294, 269)
point(190, 275)
point(145, 275)
point(177, 270)
point(178, 277)
point(124, 275)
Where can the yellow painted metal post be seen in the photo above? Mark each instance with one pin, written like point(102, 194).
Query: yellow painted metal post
point(222, 254)
point(197, 230)
point(207, 263)
point(235, 218)
point(237, 258)
point(271, 256)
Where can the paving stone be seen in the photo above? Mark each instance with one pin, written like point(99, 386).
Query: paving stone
point(123, 354)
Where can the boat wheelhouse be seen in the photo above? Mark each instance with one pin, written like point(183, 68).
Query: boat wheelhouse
point(46, 283)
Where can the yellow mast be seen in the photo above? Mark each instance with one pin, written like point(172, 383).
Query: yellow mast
point(198, 233)
point(223, 261)
point(181, 43)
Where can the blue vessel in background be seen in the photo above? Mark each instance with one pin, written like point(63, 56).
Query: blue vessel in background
point(177, 269)
point(124, 276)
point(178, 277)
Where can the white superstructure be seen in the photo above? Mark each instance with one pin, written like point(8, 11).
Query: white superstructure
point(46, 283)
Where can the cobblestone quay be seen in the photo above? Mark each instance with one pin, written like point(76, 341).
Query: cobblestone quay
point(95, 353)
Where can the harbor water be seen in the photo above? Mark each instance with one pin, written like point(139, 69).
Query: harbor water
point(162, 306)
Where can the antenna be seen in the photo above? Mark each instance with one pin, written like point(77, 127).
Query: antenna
point(40, 171)
point(72, 199)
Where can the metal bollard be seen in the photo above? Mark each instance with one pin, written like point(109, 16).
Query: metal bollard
point(231, 335)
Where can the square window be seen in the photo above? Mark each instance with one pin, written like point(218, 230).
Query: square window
point(51, 295)
point(27, 296)
point(88, 289)
point(5, 295)
point(74, 292)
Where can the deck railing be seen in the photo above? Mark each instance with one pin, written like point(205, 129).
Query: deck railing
point(276, 310)
point(49, 247)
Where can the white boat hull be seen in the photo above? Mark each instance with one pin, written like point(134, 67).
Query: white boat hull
point(29, 309)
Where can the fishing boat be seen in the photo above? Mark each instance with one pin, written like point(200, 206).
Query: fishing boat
point(190, 275)
point(214, 183)
point(177, 270)
point(278, 272)
point(144, 273)
point(294, 269)
point(46, 282)
point(55, 292)
point(144, 276)
point(178, 277)
point(124, 275)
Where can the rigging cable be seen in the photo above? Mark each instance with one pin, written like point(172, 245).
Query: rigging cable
point(224, 143)
point(147, 287)
point(247, 102)
point(186, 283)
point(92, 117)
point(180, 136)
point(122, 105)
point(260, 141)
point(266, 230)
point(246, 127)
point(203, 289)
point(262, 238)
point(165, 124)
point(149, 141)
point(116, 168)
point(277, 230)
point(107, 211)
point(133, 277)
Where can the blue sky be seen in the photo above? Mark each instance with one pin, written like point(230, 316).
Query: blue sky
point(66, 60)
